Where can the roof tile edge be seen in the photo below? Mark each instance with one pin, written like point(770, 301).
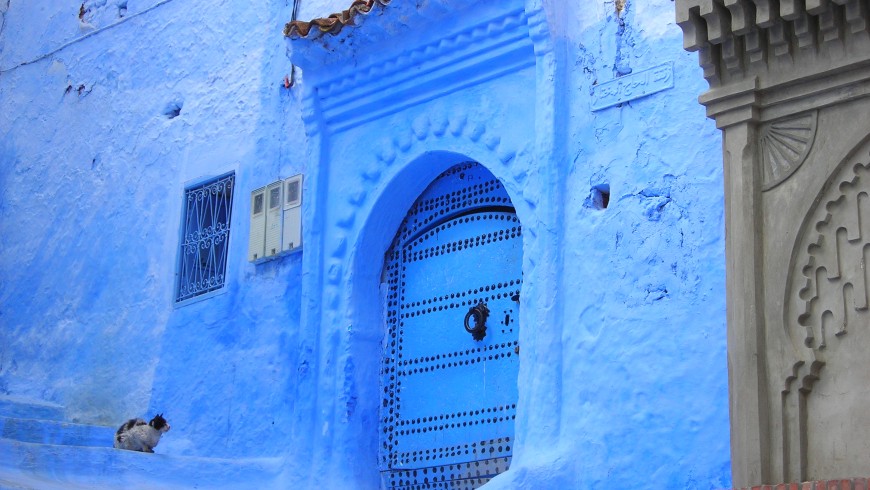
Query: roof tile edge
point(333, 23)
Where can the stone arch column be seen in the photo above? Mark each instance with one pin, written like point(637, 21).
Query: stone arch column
point(790, 90)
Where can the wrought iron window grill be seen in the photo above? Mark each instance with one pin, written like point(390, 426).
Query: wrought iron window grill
point(202, 257)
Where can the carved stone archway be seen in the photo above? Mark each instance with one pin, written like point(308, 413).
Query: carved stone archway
point(790, 90)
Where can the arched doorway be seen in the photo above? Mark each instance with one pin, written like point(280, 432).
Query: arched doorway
point(451, 283)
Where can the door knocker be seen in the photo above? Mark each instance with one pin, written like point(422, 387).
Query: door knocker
point(479, 313)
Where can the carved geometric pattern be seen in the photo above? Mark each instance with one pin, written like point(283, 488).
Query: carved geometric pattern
point(831, 280)
point(416, 75)
point(784, 145)
point(732, 34)
point(506, 28)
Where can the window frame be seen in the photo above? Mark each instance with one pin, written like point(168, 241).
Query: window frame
point(192, 186)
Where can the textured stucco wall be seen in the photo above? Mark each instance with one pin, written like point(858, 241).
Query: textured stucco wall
point(93, 173)
point(644, 335)
point(638, 288)
point(92, 180)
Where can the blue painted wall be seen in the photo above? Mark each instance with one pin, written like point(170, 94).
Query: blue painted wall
point(645, 333)
point(623, 375)
point(93, 172)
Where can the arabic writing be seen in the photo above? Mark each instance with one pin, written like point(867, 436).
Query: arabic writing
point(633, 86)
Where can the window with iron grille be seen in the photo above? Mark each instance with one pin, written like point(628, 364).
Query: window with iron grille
point(205, 232)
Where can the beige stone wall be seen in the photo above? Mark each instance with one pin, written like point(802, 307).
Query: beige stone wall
point(790, 89)
point(821, 320)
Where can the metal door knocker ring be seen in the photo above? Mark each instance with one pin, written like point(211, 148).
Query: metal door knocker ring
point(479, 313)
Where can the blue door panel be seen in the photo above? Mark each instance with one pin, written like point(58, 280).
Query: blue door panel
point(453, 278)
point(443, 331)
point(482, 387)
point(468, 254)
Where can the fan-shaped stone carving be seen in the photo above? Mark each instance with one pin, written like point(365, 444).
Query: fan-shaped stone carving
point(784, 145)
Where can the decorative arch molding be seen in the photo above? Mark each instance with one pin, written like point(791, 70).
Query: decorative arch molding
point(403, 168)
point(376, 193)
point(825, 308)
point(346, 95)
point(356, 203)
point(396, 176)
point(483, 144)
point(828, 286)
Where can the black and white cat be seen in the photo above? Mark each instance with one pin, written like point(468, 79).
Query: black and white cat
point(138, 435)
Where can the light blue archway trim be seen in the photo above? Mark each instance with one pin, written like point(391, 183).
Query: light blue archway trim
point(397, 192)
point(351, 218)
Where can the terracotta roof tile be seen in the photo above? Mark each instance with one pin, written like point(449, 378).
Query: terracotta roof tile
point(334, 22)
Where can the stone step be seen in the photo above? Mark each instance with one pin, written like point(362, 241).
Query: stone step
point(28, 408)
point(25, 465)
point(55, 432)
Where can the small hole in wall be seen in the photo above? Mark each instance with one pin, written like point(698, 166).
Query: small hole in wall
point(172, 110)
point(122, 9)
point(599, 197)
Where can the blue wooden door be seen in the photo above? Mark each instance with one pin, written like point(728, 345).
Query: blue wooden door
point(452, 282)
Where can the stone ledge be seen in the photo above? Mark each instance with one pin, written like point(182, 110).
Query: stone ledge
point(837, 484)
point(55, 432)
point(45, 466)
point(28, 408)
